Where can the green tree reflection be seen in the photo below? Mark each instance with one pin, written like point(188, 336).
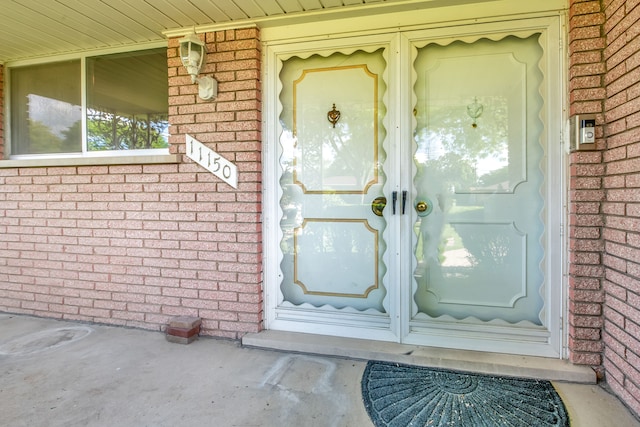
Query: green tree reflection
point(113, 131)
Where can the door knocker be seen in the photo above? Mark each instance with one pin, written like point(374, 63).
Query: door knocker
point(333, 116)
point(474, 111)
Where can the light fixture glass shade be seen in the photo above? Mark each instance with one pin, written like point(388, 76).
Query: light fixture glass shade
point(192, 54)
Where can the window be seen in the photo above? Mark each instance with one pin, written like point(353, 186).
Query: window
point(125, 100)
point(46, 115)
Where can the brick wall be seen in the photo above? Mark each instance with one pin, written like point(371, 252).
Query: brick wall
point(134, 245)
point(586, 192)
point(622, 206)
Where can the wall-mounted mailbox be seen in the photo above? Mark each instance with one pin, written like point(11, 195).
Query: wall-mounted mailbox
point(583, 132)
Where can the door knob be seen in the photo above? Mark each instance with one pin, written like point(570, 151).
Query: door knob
point(378, 204)
point(424, 207)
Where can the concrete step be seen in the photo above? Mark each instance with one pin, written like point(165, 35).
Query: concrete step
point(461, 360)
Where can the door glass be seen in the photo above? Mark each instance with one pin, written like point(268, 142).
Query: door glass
point(331, 176)
point(479, 173)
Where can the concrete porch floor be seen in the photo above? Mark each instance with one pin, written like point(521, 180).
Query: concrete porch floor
point(55, 373)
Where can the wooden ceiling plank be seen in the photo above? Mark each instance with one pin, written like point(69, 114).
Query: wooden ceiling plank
point(118, 22)
point(329, 4)
point(20, 24)
point(212, 10)
point(74, 21)
point(150, 13)
point(175, 10)
point(249, 8)
point(271, 7)
point(28, 43)
point(194, 15)
point(290, 6)
point(144, 13)
point(310, 4)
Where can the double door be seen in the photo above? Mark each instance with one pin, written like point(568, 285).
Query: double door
point(413, 190)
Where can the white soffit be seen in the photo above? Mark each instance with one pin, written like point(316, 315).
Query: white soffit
point(32, 29)
point(40, 28)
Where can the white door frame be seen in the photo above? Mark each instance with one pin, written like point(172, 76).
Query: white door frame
point(400, 130)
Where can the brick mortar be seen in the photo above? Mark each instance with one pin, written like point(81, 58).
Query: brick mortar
point(621, 218)
point(586, 95)
point(99, 244)
point(136, 245)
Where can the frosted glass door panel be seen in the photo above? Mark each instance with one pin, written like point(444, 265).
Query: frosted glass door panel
point(331, 158)
point(341, 158)
point(478, 251)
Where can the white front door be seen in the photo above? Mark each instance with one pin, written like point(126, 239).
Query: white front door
point(331, 156)
point(413, 199)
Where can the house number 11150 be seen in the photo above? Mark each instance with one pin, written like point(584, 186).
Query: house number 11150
point(212, 161)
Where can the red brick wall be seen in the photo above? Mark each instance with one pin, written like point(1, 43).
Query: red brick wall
point(622, 206)
point(134, 245)
point(586, 192)
point(604, 310)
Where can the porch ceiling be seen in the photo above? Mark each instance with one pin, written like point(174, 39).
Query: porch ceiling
point(36, 28)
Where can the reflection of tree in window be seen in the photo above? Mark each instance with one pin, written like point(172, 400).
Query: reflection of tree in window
point(488, 250)
point(127, 97)
point(339, 156)
point(466, 157)
point(108, 130)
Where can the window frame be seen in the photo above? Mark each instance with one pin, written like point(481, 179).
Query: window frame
point(84, 157)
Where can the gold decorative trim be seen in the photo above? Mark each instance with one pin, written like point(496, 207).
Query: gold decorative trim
point(305, 289)
point(375, 162)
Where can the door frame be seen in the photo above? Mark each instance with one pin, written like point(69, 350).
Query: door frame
point(400, 130)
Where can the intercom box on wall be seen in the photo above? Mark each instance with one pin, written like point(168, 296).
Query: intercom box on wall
point(583, 132)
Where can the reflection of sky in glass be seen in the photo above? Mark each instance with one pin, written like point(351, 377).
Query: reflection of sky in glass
point(57, 115)
point(491, 163)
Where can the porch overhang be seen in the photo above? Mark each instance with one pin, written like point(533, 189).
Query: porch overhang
point(33, 30)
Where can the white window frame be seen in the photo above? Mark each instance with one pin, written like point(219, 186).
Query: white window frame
point(85, 157)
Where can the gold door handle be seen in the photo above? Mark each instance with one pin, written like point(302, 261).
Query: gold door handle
point(378, 204)
point(422, 206)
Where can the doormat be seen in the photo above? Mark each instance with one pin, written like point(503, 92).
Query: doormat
point(397, 395)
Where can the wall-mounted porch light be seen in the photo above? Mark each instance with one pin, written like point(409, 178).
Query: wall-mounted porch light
point(193, 53)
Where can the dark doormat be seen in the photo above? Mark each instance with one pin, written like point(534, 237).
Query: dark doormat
point(398, 395)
